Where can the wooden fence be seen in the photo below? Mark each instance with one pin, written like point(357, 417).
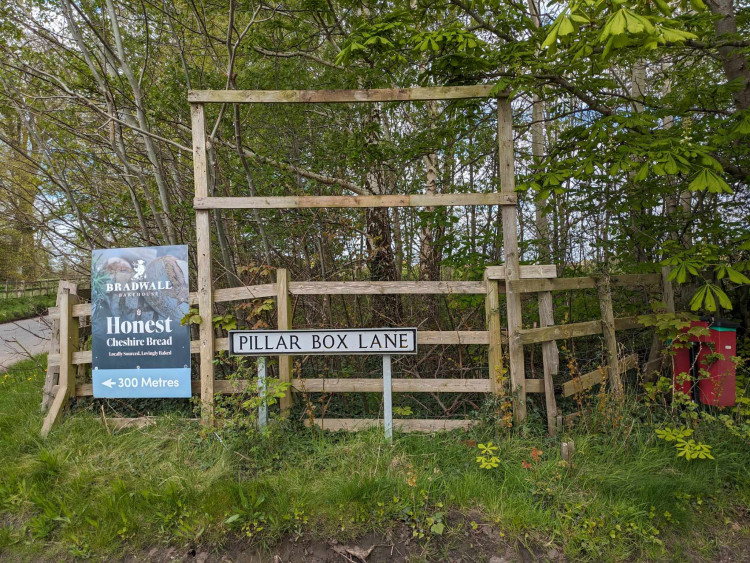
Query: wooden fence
point(68, 376)
point(511, 279)
point(11, 290)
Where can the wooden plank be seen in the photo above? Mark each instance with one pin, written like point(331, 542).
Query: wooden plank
point(627, 323)
point(550, 361)
point(636, 281)
point(51, 378)
point(512, 267)
point(221, 386)
point(559, 284)
point(285, 313)
point(535, 386)
point(205, 274)
point(79, 310)
point(241, 293)
point(340, 96)
point(531, 271)
point(567, 284)
point(353, 201)
point(425, 337)
point(599, 375)
point(608, 328)
point(68, 345)
point(375, 385)
point(402, 425)
point(492, 319)
point(386, 288)
point(453, 337)
point(560, 332)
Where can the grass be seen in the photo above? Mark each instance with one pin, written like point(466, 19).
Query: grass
point(24, 307)
point(86, 493)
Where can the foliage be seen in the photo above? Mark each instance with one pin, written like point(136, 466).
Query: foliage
point(17, 308)
point(488, 459)
point(624, 497)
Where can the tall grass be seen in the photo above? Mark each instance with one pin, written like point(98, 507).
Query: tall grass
point(24, 307)
point(86, 492)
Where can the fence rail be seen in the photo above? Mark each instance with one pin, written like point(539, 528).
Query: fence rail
point(17, 289)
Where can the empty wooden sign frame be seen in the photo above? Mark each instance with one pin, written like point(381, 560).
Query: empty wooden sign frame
point(204, 203)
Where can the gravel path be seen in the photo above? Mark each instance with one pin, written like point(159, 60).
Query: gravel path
point(21, 339)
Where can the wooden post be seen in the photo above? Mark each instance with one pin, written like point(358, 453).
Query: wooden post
point(205, 283)
point(53, 369)
point(510, 247)
point(608, 328)
point(550, 360)
point(68, 345)
point(284, 310)
point(495, 352)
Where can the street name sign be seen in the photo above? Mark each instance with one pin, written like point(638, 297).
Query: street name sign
point(361, 341)
point(138, 298)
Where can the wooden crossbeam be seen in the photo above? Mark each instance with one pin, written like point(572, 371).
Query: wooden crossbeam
point(351, 385)
point(527, 272)
point(342, 96)
point(386, 288)
point(599, 375)
point(425, 337)
point(402, 425)
point(352, 201)
point(375, 385)
point(573, 330)
point(560, 332)
point(566, 284)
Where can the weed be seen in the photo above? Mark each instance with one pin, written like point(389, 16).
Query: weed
point(488, 459)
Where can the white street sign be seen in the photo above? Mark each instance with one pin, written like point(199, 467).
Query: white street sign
point(360, 341)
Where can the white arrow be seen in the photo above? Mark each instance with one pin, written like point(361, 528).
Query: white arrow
point(109, 383)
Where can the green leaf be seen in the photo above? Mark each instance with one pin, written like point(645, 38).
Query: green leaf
point(710, 303)
point(663, 7)
point(566, 27)
point(724, 300)
point(551, 38)
point(670, 165)
point(642, 173)
point(737, 277)
point(708, 179)
point(672, 35)
point(697, 299)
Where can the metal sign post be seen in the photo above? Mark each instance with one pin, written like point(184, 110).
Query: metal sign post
point(263, 408)
point(364, 341)
point(387, 404)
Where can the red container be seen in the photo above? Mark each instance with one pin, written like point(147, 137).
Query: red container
point(686, 358)
point(718, 389)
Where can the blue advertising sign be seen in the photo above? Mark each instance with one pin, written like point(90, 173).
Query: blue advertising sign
point(138, 298)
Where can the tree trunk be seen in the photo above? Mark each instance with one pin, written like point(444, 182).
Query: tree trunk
point(732, 58)
point(381, 261)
